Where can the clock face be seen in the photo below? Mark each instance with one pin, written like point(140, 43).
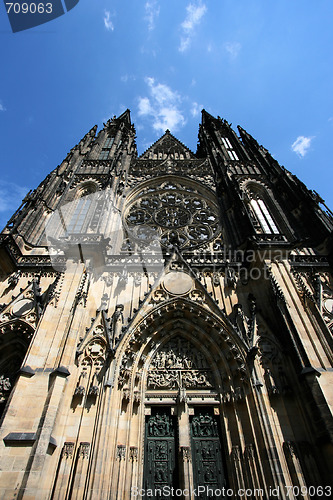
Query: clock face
point(180, 216)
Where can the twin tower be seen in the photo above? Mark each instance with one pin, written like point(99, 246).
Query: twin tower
point(166, 325)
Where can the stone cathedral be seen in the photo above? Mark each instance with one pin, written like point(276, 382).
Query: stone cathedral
point(166, 325)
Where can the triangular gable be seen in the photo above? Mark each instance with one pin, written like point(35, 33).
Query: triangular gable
point(165, 290)
point(104, 329)
point(167, 147)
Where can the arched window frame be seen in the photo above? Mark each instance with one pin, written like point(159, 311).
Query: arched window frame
point(106, 149)
point(229, 148)
point(262, 214)
point(81, 210)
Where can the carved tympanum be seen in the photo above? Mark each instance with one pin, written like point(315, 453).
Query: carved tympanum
point(178, 364)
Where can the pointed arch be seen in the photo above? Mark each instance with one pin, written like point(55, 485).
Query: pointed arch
point(265, 212)
point(15, 339)
point(214, 337)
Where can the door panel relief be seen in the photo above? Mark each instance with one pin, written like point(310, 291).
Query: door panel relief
point(161, 467)
point(206, 452)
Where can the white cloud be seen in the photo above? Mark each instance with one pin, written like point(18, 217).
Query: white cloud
point(144, 106)
point(2, 107)
point(196, 109)
point(163, 105)
point(107, 21)
point(152, 12)
point(232, 48)
point(301, 145)
point(194, 14)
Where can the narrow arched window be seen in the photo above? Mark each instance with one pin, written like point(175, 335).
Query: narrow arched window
point(264, 220)
point(78, 219)
point(230, 150)
point(104, 154)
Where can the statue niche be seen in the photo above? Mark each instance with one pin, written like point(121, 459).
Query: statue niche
point(178, 364)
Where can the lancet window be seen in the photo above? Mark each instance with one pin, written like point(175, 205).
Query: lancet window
point(261, 215)
point(79, 216)
point(230, 150)
point(104, 154)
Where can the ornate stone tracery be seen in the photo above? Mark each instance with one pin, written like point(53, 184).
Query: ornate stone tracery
point(180, 216)
point(178, 364)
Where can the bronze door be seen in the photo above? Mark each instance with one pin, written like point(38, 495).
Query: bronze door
point(208, 468)
point(161, 467)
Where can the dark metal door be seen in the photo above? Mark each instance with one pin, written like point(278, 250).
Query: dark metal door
point(161, 469)
point(206, 453)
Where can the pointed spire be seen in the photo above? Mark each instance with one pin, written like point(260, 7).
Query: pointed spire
point(246, 137)
point(125, 117)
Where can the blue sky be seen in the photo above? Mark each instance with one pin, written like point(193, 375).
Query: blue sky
point(263, 64)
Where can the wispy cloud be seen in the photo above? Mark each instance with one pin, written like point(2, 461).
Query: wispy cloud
point(152, 10)
point(2, 107)
point(126, 78)
point(194, 14)
point(301, 145)
point(163, 105)
point(196, 108)
point(232, 49)
point(107, 21)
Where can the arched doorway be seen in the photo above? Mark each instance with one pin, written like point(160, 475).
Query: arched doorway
point(183, 445)
point(14, 342)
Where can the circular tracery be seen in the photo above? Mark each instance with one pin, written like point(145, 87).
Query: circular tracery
point(180, 216)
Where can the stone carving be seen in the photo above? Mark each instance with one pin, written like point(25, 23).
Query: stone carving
point(179, 365)
point(197, 170)
point(235, 453)
point(14, 279)
point(249, 451)
point(185, 453)
point(5, 387)
point(230, 279)
point(121, 452)
point(68, 450)
point(133, 454)
point(84, 450)
point(182, 218)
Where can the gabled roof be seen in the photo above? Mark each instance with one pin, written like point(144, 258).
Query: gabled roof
point(166, 146)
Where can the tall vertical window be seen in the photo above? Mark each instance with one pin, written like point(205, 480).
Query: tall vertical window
point(230, 150)
point(263, 216)
point(78, 219)
point(104, 154)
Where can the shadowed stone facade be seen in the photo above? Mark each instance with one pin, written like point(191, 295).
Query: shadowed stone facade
point(166, 322)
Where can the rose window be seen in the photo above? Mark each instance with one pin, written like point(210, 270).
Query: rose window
point(172, 217)
point(179, 217)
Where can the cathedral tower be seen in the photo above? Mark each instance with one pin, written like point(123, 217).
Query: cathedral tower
point(166, 325)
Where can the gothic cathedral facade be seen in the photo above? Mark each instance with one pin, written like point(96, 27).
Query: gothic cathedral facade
point(166, 325)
